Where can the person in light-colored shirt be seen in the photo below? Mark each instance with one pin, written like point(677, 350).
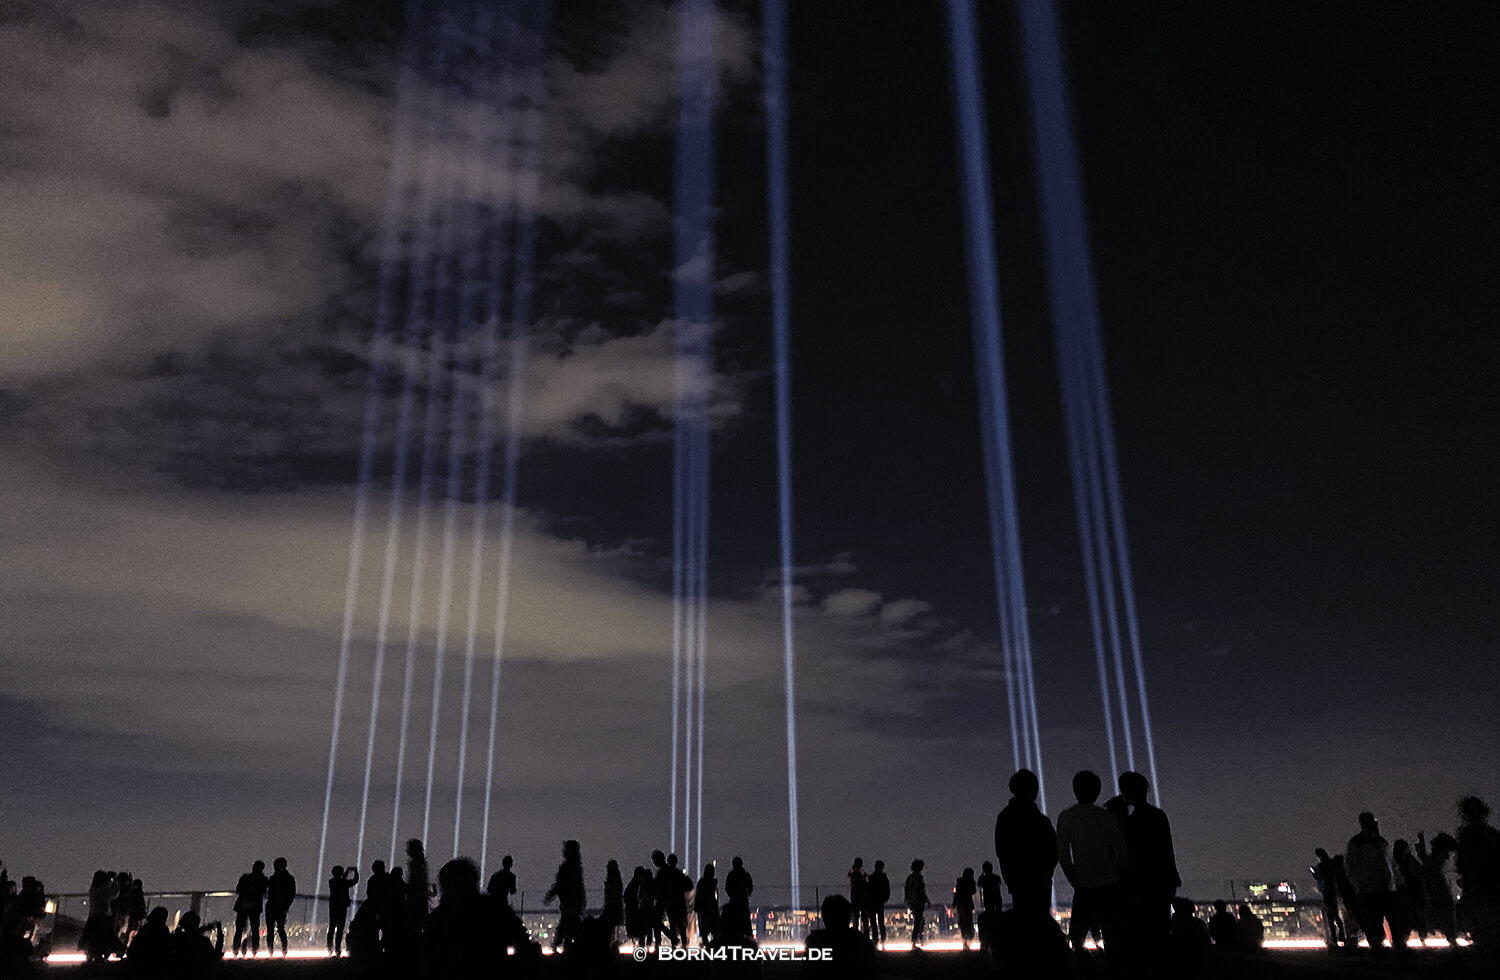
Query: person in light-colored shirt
point(1091, 850)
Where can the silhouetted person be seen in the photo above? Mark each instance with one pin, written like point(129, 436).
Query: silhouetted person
point(249, 897)
point(1188, 940)
point(679, 883)
point(880, 894)
point(706, 906)
point(133, 905)
point(738, 886)
point(382, 897)
point(1437, 884)
point(468, 930)
point(859, 895)
point(192, 951)
point(502, 884)
point(1150, 879)
point(1411, 899)
point(851, 954)
point(151, 947)
point(614, 896)
point(662, 882)
point(989, 887)
point(1223, 927)
point(418, 887)
point(281, 890)
point(340, 885)
point(119, 907)
point(1367, 861)
point(1091, 850)
point(1479, 874)
point(567, 888)
point(396, 934)
point(915, 896)
point(639, 906)
point(1252, 930)
point(963, 904)
point(1026, 845)
point(1327, 878)
point(98, 939)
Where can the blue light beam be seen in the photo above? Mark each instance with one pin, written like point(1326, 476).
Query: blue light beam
point(395, 219)
point(773, 57)
point(1070, 280)
point(984, 306)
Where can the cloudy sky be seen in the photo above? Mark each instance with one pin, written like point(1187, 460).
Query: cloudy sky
point(1294, 222)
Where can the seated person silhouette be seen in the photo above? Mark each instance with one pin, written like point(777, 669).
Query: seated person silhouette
point(850, 951)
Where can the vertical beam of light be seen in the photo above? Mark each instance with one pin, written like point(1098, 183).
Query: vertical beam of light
point(480, 135)
point(493, 248)
point(393, 222)
point(443, 364)
point(532, 106)
point(984, 304)
point(417, 289)
point(1073, 425)
point(690, 687)
point(773, 57)
point(433, 307)
point(1100, 524)
point(693, 299)
point(702, 639)
point(1072, 289)
point(678, 543)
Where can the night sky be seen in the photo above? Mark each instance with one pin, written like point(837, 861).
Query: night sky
point(1295, 224)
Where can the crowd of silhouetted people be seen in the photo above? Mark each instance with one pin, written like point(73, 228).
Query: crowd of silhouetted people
point(1118, 857)
point(1381, 890)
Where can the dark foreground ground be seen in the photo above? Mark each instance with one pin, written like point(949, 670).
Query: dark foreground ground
point(1276, 965)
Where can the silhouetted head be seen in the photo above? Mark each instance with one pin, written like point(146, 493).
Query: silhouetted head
point(1086, 786)
point(612, 865)
point(279, 864)
point(738, 862)
point(708, 870)
point(1134, 787)
point(1243, 911)
point(968, 873)
point(987, 868)
point(571, 851)
point(377, 867)
point(157, 917)
point(1443, 845)
point(1400, 849)
point(1183, 906)
point(458, 879)
point(1322, 854)
point(1220, 905)
point(879, 865)
point(1472, 811)
point(836, 911)
point(337, 871)
point(398, 874)
point(671, 860)
point(640, 871)
point(414, 849)
point(859, 862)
point(917, 865)
point(659, 859)
point(1024, 785)
point(507, 861)
point(190, 922)
point(258, 866)
point(1368, 823)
